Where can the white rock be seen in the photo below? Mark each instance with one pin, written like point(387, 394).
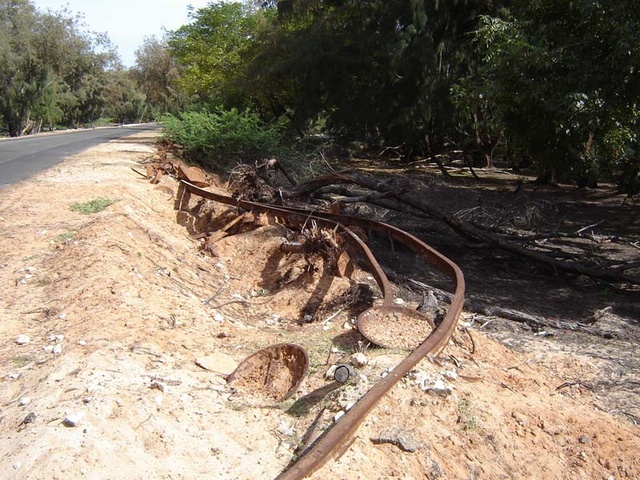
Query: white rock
point(72, 420)
point(418, 377)
point(439, 388)
point(23, 340)
point(48, 348)
point(24, 401)
point(285, 428)
point(59, 338)
point(57, 350)
point(450, 374)
point(218, 317)
point(82, 343)
point(338, 416)
point(398, 301)
point(218, 362)
point(358, 359)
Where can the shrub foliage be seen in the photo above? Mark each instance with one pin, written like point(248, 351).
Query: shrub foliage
point(226, 134)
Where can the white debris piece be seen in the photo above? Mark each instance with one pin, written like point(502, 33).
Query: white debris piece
point(358, 359)
point(72, 420)
point(450, 374)
point(329, 373)
point(439, 388)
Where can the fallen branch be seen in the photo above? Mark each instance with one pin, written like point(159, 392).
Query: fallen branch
point(465, 230)
point(487, 310)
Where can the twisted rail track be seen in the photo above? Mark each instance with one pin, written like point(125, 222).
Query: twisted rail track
point(337, 439)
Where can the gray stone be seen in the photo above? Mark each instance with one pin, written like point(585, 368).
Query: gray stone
point(30, 418)
point(400, 438)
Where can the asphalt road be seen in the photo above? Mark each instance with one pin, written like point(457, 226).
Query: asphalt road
point(23, 157)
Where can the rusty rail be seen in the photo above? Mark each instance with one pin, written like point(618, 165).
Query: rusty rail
point(336, 440)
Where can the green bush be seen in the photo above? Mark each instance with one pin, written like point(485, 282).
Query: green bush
point(92, 206)
point(223, 134)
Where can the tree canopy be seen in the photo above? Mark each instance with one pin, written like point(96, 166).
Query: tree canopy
point(53, 72)
point(564, 83)
point(545, 83)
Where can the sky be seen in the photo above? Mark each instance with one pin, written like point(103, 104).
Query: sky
point(127, 22)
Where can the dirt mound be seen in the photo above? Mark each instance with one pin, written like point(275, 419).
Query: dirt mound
point(119, 304)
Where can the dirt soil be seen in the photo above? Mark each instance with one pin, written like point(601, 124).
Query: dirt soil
point(133, 328)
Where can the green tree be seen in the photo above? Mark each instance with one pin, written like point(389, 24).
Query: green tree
point(48, 110)
point(378, 71)
point(22, 75)
point(50, 69)
point(214, 50)
point(124, 102)
point(157, 74)
point(564, 80)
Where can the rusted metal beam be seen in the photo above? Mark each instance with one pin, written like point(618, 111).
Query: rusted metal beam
point(335, 440)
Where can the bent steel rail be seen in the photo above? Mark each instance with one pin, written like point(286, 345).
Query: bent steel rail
point(335, 440)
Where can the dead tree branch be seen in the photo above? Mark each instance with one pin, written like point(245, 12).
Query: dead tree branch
point(465, 230)
point(487, 310)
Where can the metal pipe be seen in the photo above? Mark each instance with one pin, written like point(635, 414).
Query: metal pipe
point(336, 439)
